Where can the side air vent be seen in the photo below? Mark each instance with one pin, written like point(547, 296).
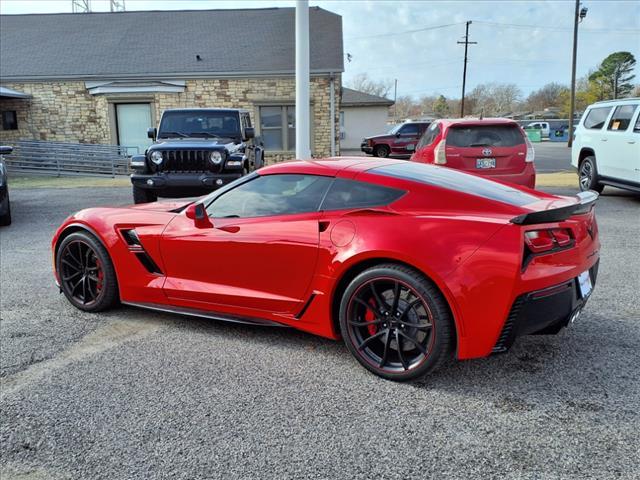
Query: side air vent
point(508, 334)
point(135, 246)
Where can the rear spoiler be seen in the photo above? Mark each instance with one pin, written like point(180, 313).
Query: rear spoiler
point(586, 201)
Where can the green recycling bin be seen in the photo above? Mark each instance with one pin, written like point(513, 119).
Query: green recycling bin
point(534, 134)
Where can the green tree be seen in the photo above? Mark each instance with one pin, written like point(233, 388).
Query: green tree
point(614, 76)
point(441, 107)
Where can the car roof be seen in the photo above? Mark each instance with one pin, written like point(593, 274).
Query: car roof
point(477, 121)
point(327, 166)
point(205, 110)
point(615, 102)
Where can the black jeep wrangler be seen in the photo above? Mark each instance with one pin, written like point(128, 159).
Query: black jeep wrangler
point(196, 150)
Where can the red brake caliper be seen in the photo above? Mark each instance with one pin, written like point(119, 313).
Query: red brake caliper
point(370, 317)
point(99, 275)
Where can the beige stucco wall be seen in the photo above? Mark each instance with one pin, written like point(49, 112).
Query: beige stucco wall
point(360, 122)
point(66, 112)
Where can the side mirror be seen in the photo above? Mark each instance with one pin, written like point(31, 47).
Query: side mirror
point(198, 214)
point(249, 132)
point(152, 133)
point(398, 135)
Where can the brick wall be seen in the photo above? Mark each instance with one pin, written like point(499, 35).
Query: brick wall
point(66, 112)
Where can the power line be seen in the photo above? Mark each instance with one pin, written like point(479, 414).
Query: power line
point(558, 28)
point(425, 29)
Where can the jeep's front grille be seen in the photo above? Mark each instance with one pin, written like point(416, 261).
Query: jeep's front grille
point(186, 161)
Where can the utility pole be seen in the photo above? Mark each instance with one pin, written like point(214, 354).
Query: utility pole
point(464, 73)
point(395, 99)
point(577, 18)
point(303, 149)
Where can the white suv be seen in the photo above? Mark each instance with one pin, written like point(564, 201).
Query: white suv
point(606, 147)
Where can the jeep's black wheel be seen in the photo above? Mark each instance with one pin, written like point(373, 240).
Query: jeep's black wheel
point(588, 175)
point(396, 322)
point(86, 273)
point(381, 151)
point(6, 218)
point(142, 195)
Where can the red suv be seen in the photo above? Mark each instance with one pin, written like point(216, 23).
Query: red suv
point(401, 140)
point(494, 147)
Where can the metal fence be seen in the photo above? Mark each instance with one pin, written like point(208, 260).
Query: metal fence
point(58, 158)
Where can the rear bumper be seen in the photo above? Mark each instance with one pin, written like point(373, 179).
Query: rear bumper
point(526, 178)
point(544, 311)
point(186, 181)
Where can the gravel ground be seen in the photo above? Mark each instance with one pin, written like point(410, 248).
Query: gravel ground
point(142, 395)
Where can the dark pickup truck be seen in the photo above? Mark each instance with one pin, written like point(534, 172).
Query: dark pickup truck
point(196, 151)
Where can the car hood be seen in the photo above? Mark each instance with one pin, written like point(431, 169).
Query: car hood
point(193, 143)
point(164, 206)
point(382, 136)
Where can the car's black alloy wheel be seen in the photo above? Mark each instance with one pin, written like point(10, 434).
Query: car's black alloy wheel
point(87, 276)
point(588, 175)
point(395, 322)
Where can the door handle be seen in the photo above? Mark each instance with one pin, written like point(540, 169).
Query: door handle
point(323, 225)
point(603, 139)
point(631, 142)
point(230, 228)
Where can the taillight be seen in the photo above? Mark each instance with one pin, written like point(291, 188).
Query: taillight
point(531, 153)
point(539, 241)
point(440, 156)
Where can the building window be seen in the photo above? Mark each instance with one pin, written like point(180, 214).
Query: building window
point(9, 120)
point(278, 127)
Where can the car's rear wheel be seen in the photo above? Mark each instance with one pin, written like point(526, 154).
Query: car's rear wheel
point(396, 322)
point(381, 151)
point(588, 175)
point(86, 273)
point(142, 195)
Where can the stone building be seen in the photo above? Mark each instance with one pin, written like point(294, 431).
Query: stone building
point(107, 77)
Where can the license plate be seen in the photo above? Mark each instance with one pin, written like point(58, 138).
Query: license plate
point(486, 163)
point(584, 280)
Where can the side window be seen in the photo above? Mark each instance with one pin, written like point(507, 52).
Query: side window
point(621, 118)
point(596, 117)
point(636, 127)
point(353, 194)
point(269, 195)
point(429, 136)
point(410, 129)
point(9, 120)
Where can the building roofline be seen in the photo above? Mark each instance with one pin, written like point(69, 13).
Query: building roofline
point(314, 7)
point(162, 76)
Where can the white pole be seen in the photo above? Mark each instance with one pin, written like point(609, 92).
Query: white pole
point(303, 150)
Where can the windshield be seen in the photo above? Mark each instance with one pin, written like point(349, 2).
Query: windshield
point(395, 129)
point(199, 124)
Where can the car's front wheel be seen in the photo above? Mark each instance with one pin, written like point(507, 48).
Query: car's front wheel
point(6, 218)
point(588, 175)
point(86, 273)
point(396, 322)
point(142, 195)
point(381, 151)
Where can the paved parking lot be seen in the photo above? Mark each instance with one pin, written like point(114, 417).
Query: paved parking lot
point(137, 394)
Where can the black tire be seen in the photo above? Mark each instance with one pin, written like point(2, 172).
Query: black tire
point(381, 151)
point(81, 260)
point(142, 195)
point(588, 175)
point(369, 324)
point(5, 219)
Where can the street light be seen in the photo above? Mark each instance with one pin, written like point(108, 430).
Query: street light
point(580, 14)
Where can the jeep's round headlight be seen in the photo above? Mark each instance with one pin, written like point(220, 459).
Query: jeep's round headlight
point(156, 157)
point(215, 157)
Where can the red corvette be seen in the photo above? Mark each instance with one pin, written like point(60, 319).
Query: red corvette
point(410, 264)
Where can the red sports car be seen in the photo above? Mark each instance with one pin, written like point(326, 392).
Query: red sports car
point(409, 264)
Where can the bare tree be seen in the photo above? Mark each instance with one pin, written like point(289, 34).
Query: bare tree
point(363, 83)
point(492, 99)
point(551, 95)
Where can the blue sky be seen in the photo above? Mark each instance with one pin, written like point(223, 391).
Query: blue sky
point(523, 42)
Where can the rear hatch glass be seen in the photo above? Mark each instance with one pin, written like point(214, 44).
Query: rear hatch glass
point(486, 149)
